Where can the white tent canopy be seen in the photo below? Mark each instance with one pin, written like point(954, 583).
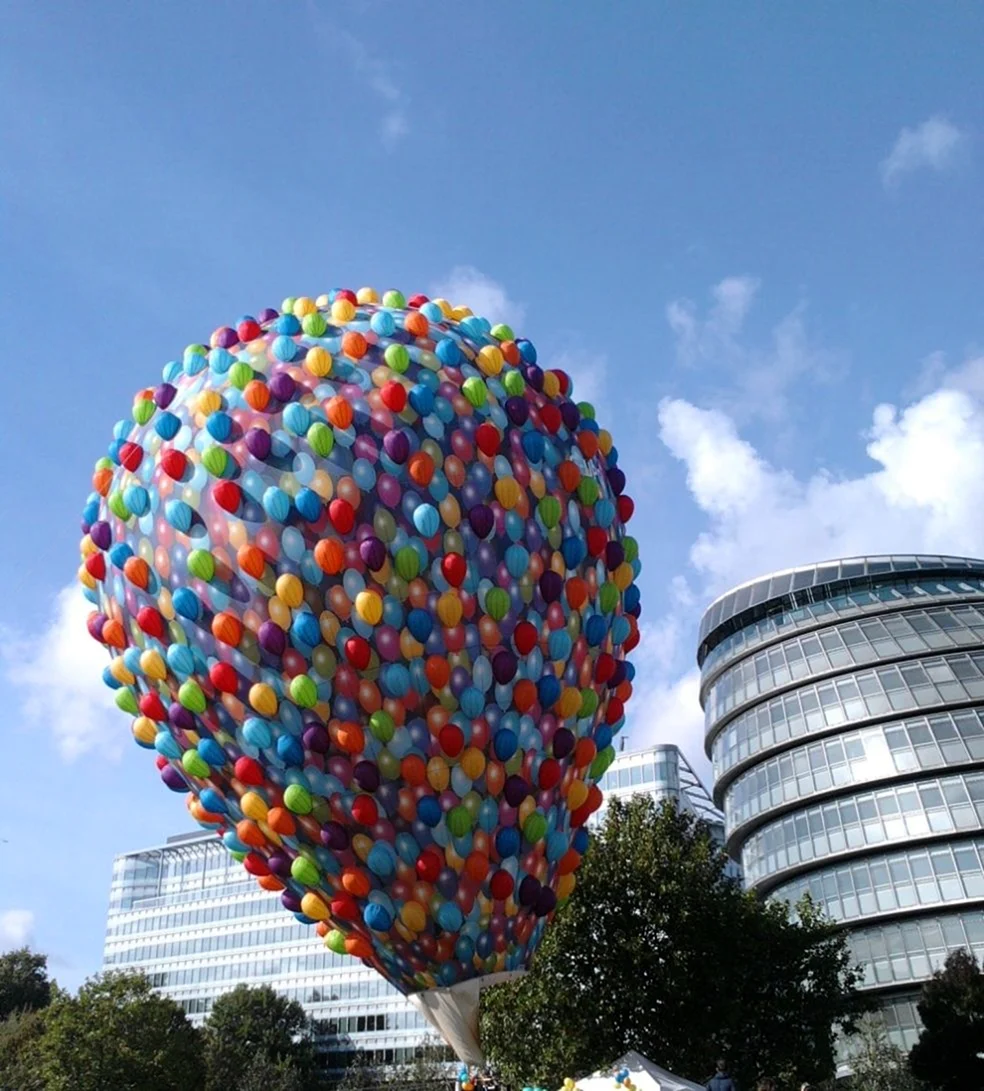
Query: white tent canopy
point(644, 1074)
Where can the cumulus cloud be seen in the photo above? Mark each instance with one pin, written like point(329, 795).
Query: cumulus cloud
point(922, 491)
point(78, 713)
point(16, 928)
point(752, 379)
point(933, 145)
point(466, 286)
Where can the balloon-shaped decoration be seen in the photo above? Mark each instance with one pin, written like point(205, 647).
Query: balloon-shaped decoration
point(362, 569)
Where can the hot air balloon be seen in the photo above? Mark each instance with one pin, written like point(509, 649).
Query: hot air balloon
point(362, 571)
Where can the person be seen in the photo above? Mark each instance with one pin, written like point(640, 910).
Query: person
point(721, 1081)
point(766, 1085)
point(806, 1087)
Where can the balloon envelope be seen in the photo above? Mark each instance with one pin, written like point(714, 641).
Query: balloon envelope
point(362, 570)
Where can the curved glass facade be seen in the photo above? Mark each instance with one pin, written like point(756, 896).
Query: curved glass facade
point(844, 716)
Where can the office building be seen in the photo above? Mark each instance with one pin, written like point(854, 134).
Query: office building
point(844, 713)
point(189, 915)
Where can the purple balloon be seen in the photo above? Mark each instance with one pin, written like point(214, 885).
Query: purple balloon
point(164, 395)
point(101, 534)
point(518, 411)
point(516, 790)
point(316, 739)
point(272, 638)
point(551, 585)
point(282, 386)
point(397, 446)
point(180, 717)
point(290, 901)
point(482, 520)
point(529, 891)
point(563, 742)
point(334, 836)
point(571, 415)
point(373, 553)
point(504, 666)
point(546, 902)
point(173, 779)
point(534, 376)
point(226, 338)
point(95, 625)
point(279, 864)
point(617, 480)
point(258, 443)
point(268, 314)
point(614, 555)
point(366, 775)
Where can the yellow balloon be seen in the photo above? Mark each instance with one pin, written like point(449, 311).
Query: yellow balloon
point(369, 607)
point(153, 665)
point(569, 703)
point(87, 546)
point(537, 485)
point(342, 310)
point(290, 589)
point(414, 916)
point(551, 384)
point(604, 441)
point(507, 492)
point(565, 886)
point(270, 835)
point(318, 361)
point(263, 699)
point(312, 906)
point(253, 806)
point(85, 579)
point(623, 576)
point(490, 359)
point(144, 730)
point(279, 611)
point(577, 794)
point(526, 808)
point(322, 300)
point(209, 401)
point(118, 669)
point(438, 774)
point(446, 309)
point(456, 861)
point(304, 305)
point(450, 511)
point(361, 846)
point(367, 295)
point(472, 763)
point(449, 609)
point(322, 484)
point(410, 648)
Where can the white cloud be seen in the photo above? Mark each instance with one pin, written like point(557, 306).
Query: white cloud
point(753, 380)
point(932, 145)
point(923, 491)
point(78, 711)
point(374, 72)
point(466, 286)
point(16, 927)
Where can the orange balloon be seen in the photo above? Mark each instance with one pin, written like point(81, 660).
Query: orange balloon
point(477, 866)
point(420, 467)
point(250, 834)
point(524, 695)
point(137, 571)
point(584, 752)
point(227, 628)
point(350, 737)
point(356, 882)
point(339, 412)
point(251, 560)
point(369, 696)
point(281, 821)
point(413, 769)
point(569, 475)
point(257, 395)
point(438, 671)
point(270, 882)
point(416, 324)
point(329, 554)
point(577, 592)
point(354, 344)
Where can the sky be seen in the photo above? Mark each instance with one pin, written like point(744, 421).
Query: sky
point(751, 233)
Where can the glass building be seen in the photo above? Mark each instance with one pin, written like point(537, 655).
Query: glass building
point(844, 716)
point(189, 916)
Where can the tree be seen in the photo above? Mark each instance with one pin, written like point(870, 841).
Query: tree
point(265, 1074)
point(430, 1070)
point(659, 951)
point(24, 984)
point(250, 1022)
point(21, 1035)
point(877, 1064)
point(948, 1053)
point(118, 1033)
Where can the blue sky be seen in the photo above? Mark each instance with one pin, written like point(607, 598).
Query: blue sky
point(751, 232)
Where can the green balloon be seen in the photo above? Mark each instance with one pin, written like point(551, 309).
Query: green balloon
point(304, 871)
point(143, 410)
point(393, 298)
point(384, 525)
point(201, 564)
point(586, 409)
point(602, 760)
point(630, 547)
point(314, 324)
point(105, 463)
point(298, 799)
point(382, 726)
point(335, 941)
point(407, 563)
point(126, 702)
point(502, 332)
point(589, 703)
point(459, 821)
point(191, 697)
point(514, 383)
point(303, 691)
point(321, 438)
point(549, 511)
point(118, 507)
point(238, 856)
point(475, 391)
point(194, 764)
point(587, 490)
point(535, 827)
point(287, 307)
point(607, 597)
point(497, 603)
point(389, 765)
point(240, 374)
point(215, 460)
point(397, 357)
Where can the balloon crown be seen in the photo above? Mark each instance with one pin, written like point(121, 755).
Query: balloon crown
point(362, 571)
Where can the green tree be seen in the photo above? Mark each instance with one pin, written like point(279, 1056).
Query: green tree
point(948, 1055)
point(24, 984)
point(430, 1070)
point(21, 1035)
point(250, 1022)
point(878, 1065)
point(266, 1074)
point(118, 1034)
point(659, 951)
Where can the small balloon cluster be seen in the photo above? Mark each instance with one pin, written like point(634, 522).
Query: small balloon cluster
point(361, 567)
point(623, 1080)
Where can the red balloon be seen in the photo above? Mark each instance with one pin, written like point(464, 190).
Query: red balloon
point(454, 568)
point(224, 677)
point(227, 495)
point(488, 439)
